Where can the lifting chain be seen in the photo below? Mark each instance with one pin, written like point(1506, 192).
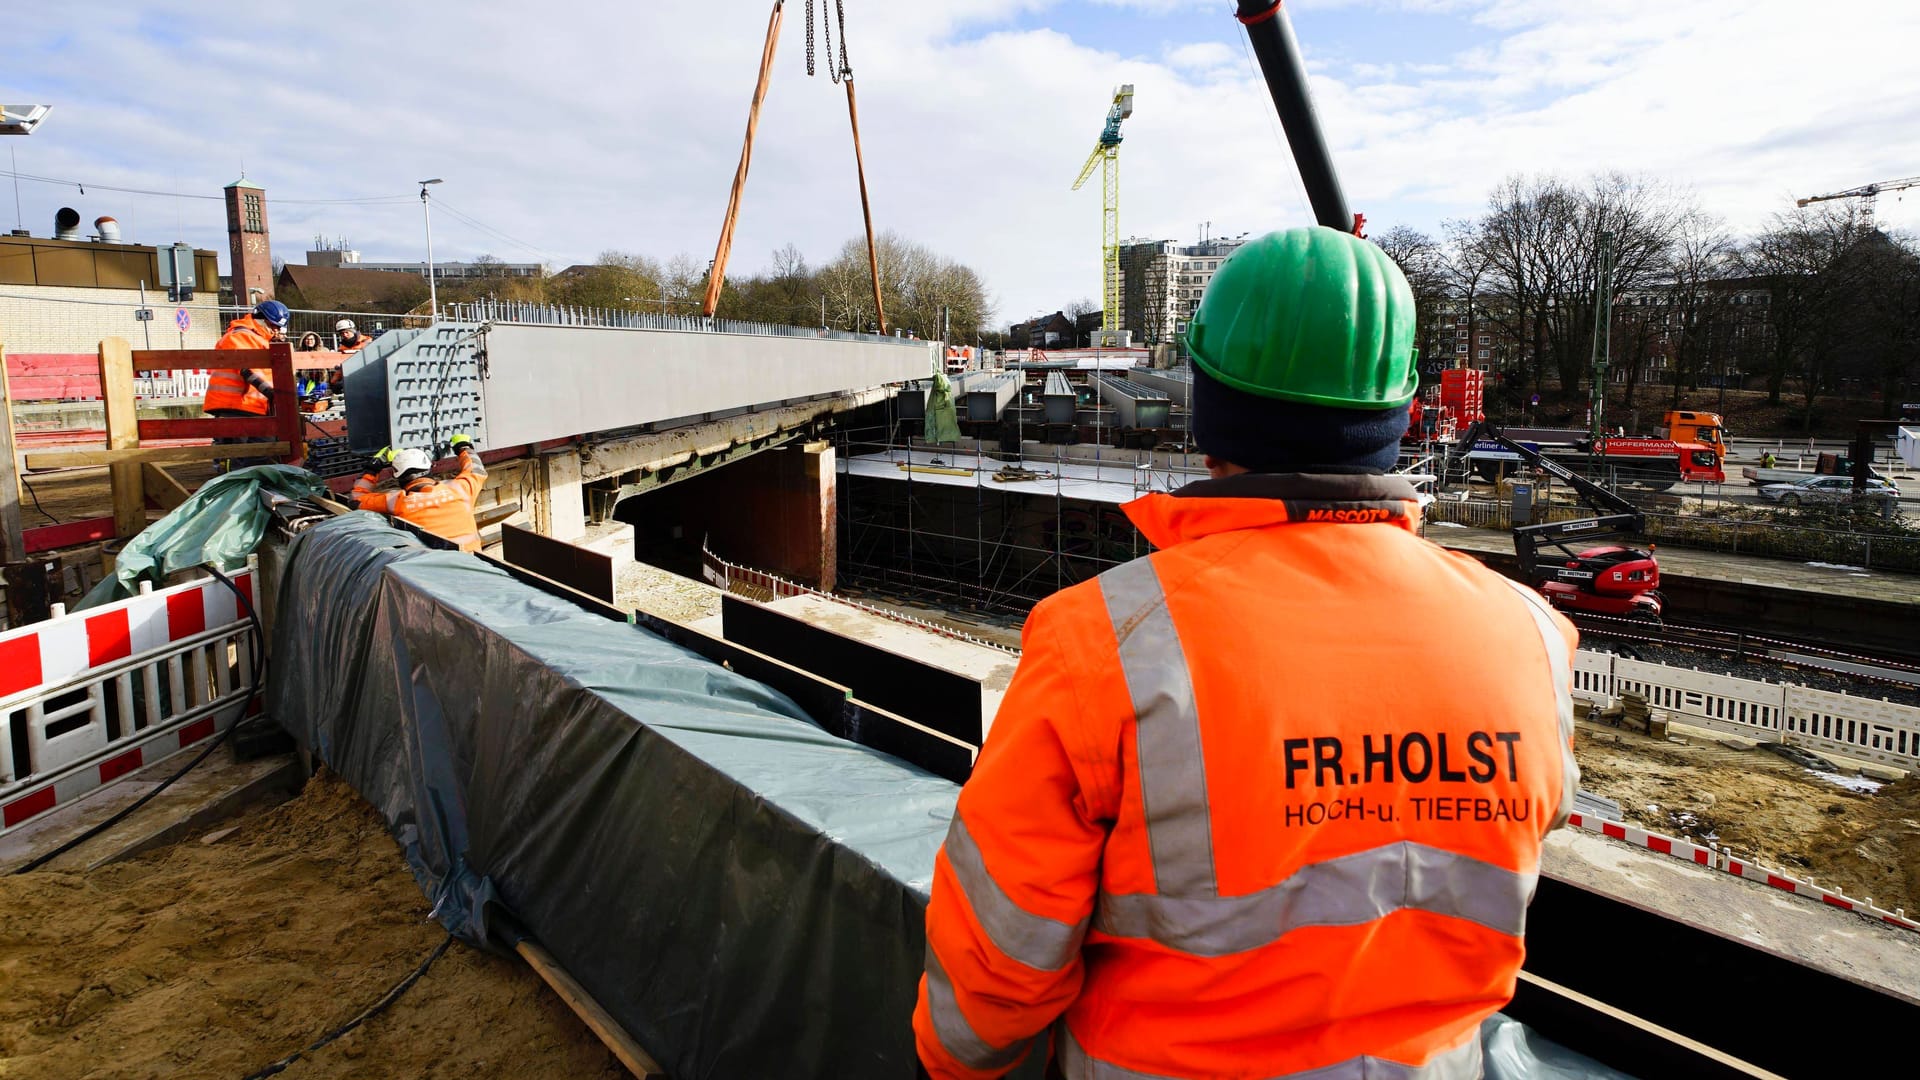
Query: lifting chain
point(826, 29)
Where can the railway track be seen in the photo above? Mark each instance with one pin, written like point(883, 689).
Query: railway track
point(1744, 645)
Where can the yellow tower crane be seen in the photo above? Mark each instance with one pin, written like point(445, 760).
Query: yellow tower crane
point(1106, 153)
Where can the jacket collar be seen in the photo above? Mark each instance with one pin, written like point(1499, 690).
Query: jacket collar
point(1259, 500)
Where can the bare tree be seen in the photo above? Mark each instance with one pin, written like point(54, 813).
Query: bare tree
point(1423, 261)
point(1539, 244)
point(1700, 303)
point(1796, 259)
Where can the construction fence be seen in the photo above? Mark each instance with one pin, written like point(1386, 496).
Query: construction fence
point(88, 697)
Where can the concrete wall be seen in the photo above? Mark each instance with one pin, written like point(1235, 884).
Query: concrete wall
point(53, 321)
point(549, 382)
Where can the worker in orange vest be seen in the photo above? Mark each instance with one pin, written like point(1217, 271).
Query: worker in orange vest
point(351, 340)
point(441, 507)
point(1269, 801)
point(247, 391)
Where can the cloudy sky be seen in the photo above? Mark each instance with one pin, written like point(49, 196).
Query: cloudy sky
point(567, 129)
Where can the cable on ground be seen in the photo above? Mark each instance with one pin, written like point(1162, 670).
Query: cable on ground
point(256, 649)
point(378, 1007)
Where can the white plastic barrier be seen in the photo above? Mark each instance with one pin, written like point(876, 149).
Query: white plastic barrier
point(1863, 728)
point(170, 384)
point(89, 697)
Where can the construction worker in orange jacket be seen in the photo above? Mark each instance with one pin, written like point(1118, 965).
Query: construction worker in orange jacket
point(247, 391)
point(350, 339)
point(1269, 801)
point(441, 507)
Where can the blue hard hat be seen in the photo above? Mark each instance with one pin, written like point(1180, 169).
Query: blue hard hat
point(273, 313)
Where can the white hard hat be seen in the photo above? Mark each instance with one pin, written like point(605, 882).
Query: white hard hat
point(410, 460)
point(343, 325)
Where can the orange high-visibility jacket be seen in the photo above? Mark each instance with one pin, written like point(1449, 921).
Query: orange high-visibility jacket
point(1269, 800)
point(442, 507)
point(245, 390)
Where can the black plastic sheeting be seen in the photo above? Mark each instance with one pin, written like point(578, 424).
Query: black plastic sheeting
point(743, 892)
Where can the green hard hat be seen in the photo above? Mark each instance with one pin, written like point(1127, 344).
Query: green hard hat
point(1311, 315)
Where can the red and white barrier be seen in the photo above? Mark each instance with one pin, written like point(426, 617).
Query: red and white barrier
point(88, 697)
point(1722, 860)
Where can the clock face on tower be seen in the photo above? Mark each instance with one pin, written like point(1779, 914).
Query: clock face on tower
point(255, 245)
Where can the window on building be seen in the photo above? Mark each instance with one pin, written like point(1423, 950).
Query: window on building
point(1484, 339)
point(1484, 354)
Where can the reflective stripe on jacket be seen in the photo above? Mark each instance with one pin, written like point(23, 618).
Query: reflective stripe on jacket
point(233, 389)
point(441, 507)
point(1267, 802)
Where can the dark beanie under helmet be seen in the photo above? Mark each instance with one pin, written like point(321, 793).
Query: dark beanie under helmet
point(1264, 434)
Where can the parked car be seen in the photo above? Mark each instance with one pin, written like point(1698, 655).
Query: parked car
point(1827, 489)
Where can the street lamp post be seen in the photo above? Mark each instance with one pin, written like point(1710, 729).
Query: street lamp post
point(433, 287)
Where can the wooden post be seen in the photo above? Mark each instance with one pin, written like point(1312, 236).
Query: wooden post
point(286, 401)
point(123, 433)
point(596, 1017)
point(13, 547)
point(160, 483)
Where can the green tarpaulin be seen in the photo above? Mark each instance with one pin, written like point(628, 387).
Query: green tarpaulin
point(943, 425)
point(220, 524)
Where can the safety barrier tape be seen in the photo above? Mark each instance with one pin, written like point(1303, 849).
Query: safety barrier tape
point(1715, 858)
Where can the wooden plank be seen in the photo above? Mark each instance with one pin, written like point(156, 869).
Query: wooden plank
point(13, 547)
point(488, 516)
point(597, 1019)
point(165, 490)
point(212, 427)
point(26, 365)
point(80, 459)
point(1623, 1032)
point(123, 433)
point(196, 359)
point(68, 534)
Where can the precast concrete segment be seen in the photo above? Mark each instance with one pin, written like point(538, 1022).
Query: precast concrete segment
point(674, 446)
point(1059, 398)
point(1176, 384)
point(549, 382)
point(1137, 406)
point(988, 395)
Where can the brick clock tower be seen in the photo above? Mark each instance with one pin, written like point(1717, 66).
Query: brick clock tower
point(248, 243)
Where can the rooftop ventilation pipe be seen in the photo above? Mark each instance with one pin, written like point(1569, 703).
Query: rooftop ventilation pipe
point(66, 224)
point(107, 229)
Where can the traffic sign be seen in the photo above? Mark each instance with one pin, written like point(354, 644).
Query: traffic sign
point(1536, 399)
point(182, 320)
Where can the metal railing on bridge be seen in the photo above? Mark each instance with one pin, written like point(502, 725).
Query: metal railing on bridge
point(514, 311)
